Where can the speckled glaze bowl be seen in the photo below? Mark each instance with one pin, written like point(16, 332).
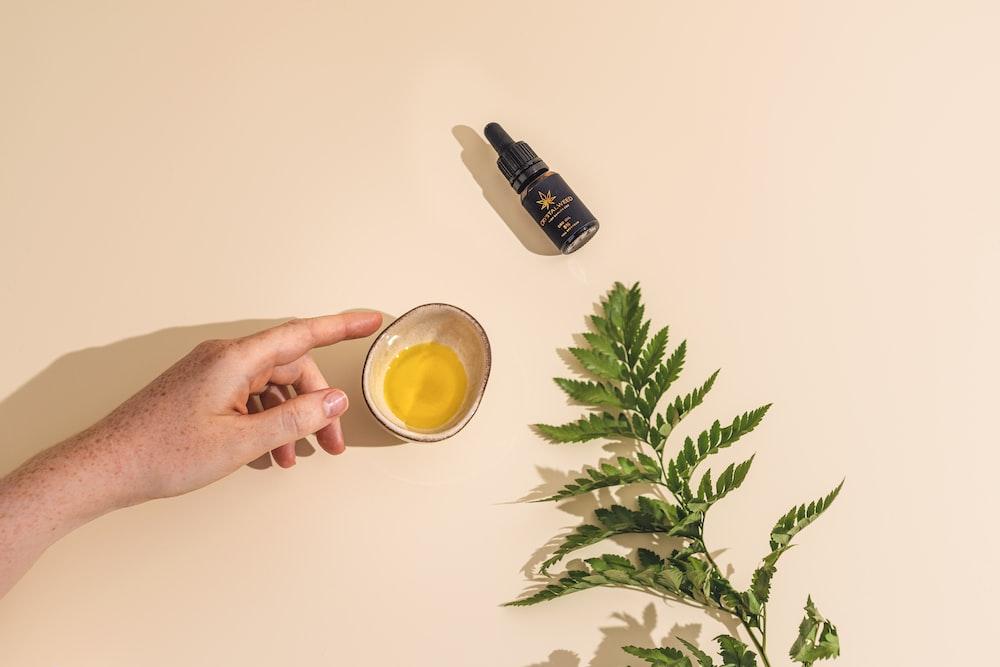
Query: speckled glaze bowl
point(432, 322)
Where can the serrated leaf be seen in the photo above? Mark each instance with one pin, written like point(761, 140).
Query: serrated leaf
point(597, 425)
point(697, 573)
point(704, 660)
point(583, 536)
point(683, 405)
point(648, 557)
point(797, 518)
point(652, 574)
point(652, 516)
point(595, 394)
point(651, 356)
point(681, 468)
point(602, 327)
point(599, 364)
point(628, 471)
point(600, 343)
point(573, 581)
point(615, 307)
point(817, 640)
point(788, 526)
point(636, 342)
point(612, 561)
point(735, 653)
point(730, 480)
point(760, 582)
point(665, 374)
point(660, 657)
point(634, 331)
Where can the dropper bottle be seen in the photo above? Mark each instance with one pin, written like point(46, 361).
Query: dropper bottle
point(544, 194)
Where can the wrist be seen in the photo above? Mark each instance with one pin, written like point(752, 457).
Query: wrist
point(56, 491)
point(51, 495)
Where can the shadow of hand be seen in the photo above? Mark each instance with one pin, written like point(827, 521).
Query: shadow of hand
point(81, 387)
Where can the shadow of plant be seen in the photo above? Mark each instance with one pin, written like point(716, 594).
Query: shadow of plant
point(628, 631)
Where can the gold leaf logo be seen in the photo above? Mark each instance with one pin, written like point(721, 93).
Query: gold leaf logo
point(546, 199)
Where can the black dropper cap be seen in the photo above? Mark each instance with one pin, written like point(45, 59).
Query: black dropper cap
point(517, 162)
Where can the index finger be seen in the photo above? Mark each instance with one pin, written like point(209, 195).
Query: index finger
point(289, 341)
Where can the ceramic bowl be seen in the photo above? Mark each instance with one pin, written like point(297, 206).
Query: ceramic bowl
point(432, 322)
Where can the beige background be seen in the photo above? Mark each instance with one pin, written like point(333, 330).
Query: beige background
point(807, 192)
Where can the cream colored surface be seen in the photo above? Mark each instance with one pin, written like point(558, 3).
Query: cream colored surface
point(807, 192)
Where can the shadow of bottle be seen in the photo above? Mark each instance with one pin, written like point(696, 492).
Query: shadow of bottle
point(481, 161)
point(81, 387)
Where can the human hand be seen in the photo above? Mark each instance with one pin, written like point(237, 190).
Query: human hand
point(198, 422)
point(194, 424)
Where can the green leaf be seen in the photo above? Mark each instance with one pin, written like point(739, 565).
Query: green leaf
point(730, 480)
point(623, 312)
point(652, 516)
point(573, 581)
point(600, 342)
point(643, 469)
point(653, 574)
point(637, 342)
point(683, 405)
point(583, 536)
point(797, 518)
point(703, 658)
point(817, 640)
point(660, 657)
point(613, 305)
point(598, 363)
point(760, 582)
point(692, 454)
point(603, 425)
point(602, 327)
point(735, 653)
point(622, 323)
point(649, 558)
point(651, 356)
point(670, 370)
point(634, 336)
point(591, 393)
point(788, 526)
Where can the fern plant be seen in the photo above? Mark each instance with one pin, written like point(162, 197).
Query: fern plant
point(632, 375)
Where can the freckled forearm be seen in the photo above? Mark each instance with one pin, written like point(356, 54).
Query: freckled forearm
point(46, 498)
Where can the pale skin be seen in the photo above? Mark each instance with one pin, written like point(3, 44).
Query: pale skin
point(193, 425)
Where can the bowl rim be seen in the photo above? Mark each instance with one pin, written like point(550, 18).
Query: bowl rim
point(480, 390)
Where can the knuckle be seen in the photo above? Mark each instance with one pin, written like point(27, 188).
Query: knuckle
point(229, 350)
point(294, 419)
point(217, 350)
point(208, 347)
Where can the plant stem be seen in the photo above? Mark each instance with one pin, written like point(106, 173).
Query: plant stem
point(760, 644)
point(756, 642)
point(746, 626)
point(763, 623)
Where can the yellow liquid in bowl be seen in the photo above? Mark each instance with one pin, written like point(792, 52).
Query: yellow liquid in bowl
point(426, 385)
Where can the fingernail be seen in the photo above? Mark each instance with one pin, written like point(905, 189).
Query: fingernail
point(335, 403)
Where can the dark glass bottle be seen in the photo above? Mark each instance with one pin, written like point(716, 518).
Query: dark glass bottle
point(544, 194)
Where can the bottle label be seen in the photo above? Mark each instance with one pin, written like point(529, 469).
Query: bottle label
point(556, 208)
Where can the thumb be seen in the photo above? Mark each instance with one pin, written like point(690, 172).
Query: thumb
point(296, 418)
